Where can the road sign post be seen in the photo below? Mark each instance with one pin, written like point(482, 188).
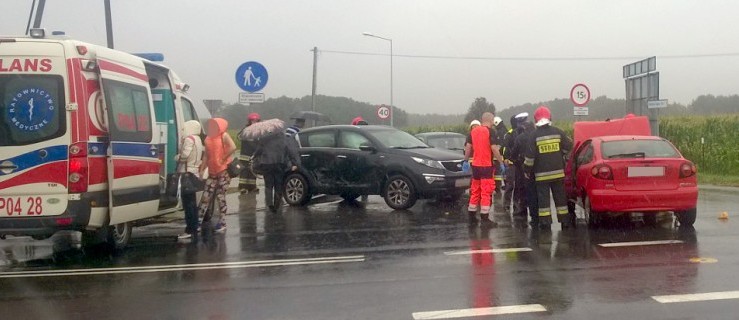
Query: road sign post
point(383, 112)
point(657, 104)
point(580, 96)
point(251, 76)
point(246, 98)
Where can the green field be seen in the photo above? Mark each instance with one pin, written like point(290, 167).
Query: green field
point(716, 156)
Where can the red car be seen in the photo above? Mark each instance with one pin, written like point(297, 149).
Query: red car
point(618, 167)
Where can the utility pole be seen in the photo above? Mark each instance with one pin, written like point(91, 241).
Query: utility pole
point(315, 74)
point(108, 24)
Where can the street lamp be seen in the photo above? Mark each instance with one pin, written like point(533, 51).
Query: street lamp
point(392, 108)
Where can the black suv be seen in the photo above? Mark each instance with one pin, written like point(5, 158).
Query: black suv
point(361, 160)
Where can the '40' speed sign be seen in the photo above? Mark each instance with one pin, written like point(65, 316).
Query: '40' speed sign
point(383, 112)
point(580, 95)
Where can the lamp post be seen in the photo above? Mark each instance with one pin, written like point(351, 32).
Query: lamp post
point(392, 108)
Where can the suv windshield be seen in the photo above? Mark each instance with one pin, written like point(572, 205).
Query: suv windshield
point(396, 139)
point(451, 142)
point(638, 149)
point(30, 109)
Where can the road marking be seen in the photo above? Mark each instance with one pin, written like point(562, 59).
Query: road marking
point(639, 243)
point(182, 267)
point(708, 296)
point(478, 312)
point(703, 260)
point(505, 250)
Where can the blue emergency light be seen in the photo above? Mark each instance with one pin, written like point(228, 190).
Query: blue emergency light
point(155, 57)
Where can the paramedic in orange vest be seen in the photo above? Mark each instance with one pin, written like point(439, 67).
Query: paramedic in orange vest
point(485, 148)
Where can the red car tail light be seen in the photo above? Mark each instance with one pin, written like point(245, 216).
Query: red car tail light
point(78, 167)
point(687, 170)
point(602, 172)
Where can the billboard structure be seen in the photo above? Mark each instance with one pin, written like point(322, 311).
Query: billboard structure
point(642, 85)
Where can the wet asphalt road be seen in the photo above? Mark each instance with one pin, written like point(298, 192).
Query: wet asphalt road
point(339, 260)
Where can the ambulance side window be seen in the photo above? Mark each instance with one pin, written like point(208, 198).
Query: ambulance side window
point(188, 111)
point(128, 105)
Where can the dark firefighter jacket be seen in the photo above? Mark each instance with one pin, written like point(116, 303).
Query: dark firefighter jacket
point(545, 153)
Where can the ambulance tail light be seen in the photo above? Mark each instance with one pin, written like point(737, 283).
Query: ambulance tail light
point(78, 167)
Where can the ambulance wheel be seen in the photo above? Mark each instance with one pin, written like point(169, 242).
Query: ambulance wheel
point(119, 235)
point(399, 193)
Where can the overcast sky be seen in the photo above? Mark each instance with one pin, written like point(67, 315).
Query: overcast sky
point(205, 41)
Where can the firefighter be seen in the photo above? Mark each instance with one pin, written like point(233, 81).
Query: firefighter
point(500, 130)
point(544, 161)
point(247, 178)
point(523, 183)
point(485, 148)
point(511, 194)
point(508, 178)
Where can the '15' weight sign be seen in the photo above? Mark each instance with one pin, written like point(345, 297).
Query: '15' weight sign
point(580, 95)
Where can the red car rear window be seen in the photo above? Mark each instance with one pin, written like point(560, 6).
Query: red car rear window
point(638, 149)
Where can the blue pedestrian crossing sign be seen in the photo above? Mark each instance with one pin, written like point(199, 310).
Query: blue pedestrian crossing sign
point(251, 76)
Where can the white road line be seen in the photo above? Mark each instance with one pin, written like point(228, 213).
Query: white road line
point(182, 267)
point(708, 296)
point(478, 312)
point(639, 243)
point(505, 250)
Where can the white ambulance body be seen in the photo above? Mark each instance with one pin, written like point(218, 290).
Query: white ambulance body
point(88, 136)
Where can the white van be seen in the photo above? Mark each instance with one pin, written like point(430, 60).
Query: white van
point(87, 137)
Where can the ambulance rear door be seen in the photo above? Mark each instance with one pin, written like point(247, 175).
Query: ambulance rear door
point(133, 153)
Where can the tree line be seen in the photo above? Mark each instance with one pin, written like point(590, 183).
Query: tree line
point(342, 110)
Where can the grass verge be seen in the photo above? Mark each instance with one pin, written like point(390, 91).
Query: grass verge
point(718, 179)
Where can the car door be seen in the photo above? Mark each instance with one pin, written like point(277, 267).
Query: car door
point(357, 171)
point(133, 153)
point(583, 165)
point(317, 157)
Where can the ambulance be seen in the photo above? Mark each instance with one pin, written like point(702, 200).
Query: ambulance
point(88, 136)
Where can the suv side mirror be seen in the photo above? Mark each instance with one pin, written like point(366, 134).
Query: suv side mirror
point(366, 147)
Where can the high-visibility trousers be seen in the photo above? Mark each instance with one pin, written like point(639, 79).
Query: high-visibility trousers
point(481, 189)
point(557, 188)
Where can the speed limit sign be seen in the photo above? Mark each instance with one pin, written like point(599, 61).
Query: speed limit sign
point(383, 112)
point(580, 95)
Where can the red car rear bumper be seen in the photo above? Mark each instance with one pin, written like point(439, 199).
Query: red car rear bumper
point(609, 200)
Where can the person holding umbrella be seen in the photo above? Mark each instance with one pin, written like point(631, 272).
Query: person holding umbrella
point(274, 155)
point(247, 178)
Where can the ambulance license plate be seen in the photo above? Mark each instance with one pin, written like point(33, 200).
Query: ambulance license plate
point(21, 206)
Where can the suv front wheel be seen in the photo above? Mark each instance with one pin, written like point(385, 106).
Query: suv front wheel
point(399, 193)
point(297, 192)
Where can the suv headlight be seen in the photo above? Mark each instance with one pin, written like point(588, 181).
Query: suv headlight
point(429, 163)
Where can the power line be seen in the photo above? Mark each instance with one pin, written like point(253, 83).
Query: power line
point(680, 56)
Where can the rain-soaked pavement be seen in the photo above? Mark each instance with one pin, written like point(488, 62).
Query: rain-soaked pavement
point(339, 260)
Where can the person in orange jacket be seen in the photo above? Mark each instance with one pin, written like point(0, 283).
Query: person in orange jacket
point(484, 144)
